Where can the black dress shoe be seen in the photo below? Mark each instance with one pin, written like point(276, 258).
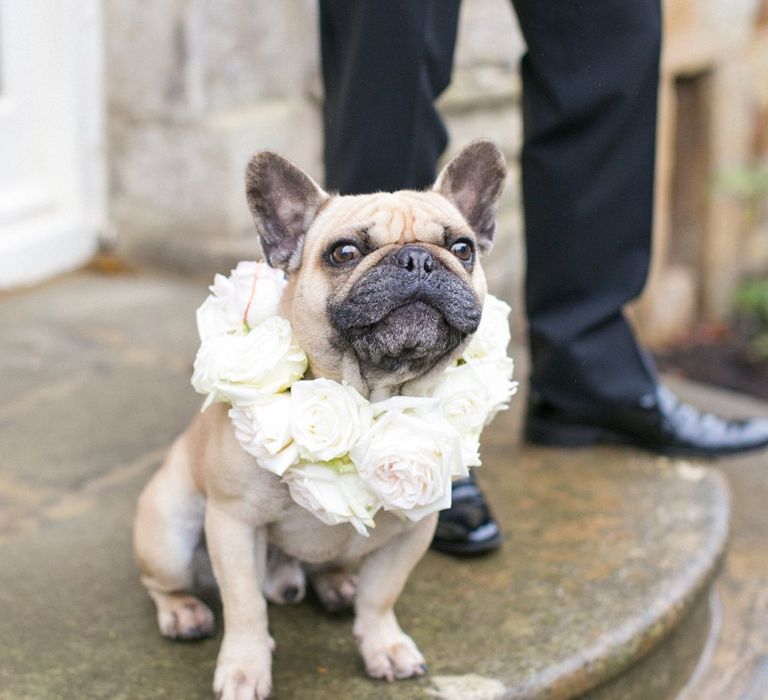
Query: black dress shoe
point(467, 527)
point(659, 422)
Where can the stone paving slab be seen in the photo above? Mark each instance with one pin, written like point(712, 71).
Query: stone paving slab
point(605, 549)
point(93, 371)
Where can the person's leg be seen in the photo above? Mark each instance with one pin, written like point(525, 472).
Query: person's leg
point(384, 63)
point(590, 82)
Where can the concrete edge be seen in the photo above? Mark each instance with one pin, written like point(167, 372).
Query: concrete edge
point(614, 653)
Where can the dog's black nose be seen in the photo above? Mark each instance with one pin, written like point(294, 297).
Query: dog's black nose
point(415, 259)
point(290, 593)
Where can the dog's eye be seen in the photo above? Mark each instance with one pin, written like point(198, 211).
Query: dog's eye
point(345, 253)
point(463, 250)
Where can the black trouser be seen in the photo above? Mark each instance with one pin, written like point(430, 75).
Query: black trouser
point(590, 79)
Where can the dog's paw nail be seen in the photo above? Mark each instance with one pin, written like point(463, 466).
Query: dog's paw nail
point(290, 594)
point(397, 660)
point(244, 680)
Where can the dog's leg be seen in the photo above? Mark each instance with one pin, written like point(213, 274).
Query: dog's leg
point(238, 551)
point(169, 523)
point(387, 651)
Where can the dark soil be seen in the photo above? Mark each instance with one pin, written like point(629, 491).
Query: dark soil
point(718, 354)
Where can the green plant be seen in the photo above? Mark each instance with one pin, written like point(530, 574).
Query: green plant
point(749, 183)
point(751, 298)
point(750, 304)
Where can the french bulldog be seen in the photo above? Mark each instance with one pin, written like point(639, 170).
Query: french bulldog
point(383, 291)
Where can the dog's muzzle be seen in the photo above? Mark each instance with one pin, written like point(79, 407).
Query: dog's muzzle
point(408, 311)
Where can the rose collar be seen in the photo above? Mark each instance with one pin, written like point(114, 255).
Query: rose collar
point(342, 457)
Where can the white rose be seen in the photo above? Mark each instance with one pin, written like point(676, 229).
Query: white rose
point(263, 430)
point(250, 295)
point(333, 495)
point(470, 452)
point(327, 418)
point(408, 457)
point(242, 368)
point(492, 336)
point(463, 403)
point(495, 377)
point(471, 394)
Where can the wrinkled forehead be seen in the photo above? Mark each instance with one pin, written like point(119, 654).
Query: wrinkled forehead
point(399, 217)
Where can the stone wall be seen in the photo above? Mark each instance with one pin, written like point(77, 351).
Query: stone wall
point(196, 86)
point(713, 122)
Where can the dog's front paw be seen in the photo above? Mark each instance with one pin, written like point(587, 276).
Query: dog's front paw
point(336, 590)
point(243, 680)
point(396, 659)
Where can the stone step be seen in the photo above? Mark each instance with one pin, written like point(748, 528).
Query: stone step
point(735, 662)
point(668, 669)
point(605, 552)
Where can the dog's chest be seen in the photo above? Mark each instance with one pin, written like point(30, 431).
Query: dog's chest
point(300, 534)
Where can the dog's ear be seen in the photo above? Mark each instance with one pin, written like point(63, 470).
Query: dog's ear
point(473, 181)
point(284, 202)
